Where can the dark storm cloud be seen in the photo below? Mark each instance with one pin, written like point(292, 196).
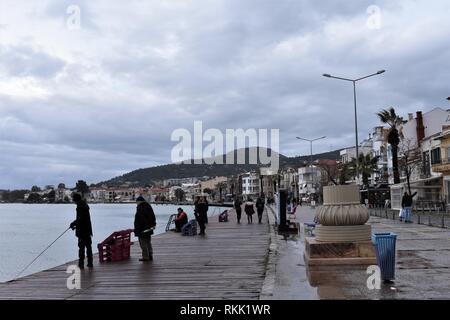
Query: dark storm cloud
point(99, 102)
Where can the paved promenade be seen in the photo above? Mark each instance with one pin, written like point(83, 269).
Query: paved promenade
point(228, 263)
point(422, 270)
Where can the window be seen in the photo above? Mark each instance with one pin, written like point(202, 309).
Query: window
point(436, 156)
point(448, 154)
point(426, 163)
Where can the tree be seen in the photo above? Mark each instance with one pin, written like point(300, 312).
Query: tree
point(61, 186)
point(390, 118)
point(14, 195)
point(51, 196)
point(34, 198)
point(208, 191)
point(366, 165)
point(82, 187)
point(331, 168)
point(179, 194)
point(344, 173)
point(410, 160)
point(35, 189)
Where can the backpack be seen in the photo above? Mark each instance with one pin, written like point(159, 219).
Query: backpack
point(190, 228)
point(223, 217)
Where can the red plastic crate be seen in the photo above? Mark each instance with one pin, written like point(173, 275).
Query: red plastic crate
point(116, 247)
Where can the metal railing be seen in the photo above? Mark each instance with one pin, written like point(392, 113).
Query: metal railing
point(436, 216)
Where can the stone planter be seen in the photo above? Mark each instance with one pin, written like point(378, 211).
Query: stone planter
point(342, 207)
point(342, 235)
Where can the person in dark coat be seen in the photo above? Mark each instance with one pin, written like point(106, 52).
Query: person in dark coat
point(83, 230)
point(238, 207)
point(180, 220)
point(207, 207)
point(407, 202)
point(144, 223)
point(260, 208)
point(201, 214)
point(249, 210)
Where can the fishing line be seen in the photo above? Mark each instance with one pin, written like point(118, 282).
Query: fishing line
point(40, 254)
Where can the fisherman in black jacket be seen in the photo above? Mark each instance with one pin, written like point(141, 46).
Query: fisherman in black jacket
point(83, 227)
point(144, 223)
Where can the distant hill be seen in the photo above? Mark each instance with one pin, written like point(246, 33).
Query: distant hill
point(146, 176)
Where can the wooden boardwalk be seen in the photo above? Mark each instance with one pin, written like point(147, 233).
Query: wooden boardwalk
point(228, 263)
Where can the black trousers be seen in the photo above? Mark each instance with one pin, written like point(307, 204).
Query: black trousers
point(238, 214)
point(260, 213)
point(84, 244)
point(202, 226)
point(179, 224)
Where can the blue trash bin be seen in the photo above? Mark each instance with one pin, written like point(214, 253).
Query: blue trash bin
point(385, 251)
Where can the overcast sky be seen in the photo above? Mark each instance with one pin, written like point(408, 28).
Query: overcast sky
point(98, 101)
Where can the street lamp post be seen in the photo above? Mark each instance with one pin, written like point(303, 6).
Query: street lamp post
point(311, 157)
point(354, 100)
point(311, 142)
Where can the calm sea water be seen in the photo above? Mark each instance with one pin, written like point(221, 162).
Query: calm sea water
point(26, 229)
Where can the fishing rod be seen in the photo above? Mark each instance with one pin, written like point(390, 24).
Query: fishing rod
point(40, 254)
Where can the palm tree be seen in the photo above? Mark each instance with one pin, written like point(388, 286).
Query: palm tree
point(390, 118)
point(366, 166)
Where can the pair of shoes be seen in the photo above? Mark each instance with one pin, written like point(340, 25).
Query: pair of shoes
point(144, 260)
point(401, 220)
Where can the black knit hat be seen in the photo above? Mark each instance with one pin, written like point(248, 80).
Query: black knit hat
point(140, 198)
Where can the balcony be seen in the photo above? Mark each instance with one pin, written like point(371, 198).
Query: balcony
point(443, 166)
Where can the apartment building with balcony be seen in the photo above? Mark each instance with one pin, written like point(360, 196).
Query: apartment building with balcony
point(251, 185)
point(422, 138)
point(309, 181)
point(440, 162)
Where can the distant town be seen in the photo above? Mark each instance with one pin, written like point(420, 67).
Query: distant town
point(423, 165)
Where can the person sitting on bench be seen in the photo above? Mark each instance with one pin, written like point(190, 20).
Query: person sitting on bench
point(180, 220)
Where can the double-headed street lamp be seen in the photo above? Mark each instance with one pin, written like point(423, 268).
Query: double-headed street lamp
point(354, 99)
point(311, 142)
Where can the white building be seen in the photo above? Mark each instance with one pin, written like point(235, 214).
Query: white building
point(191, 190)
point(250, 184)
point(309, 180)
point(420, 135)
point(98, 195)
point(348, 154)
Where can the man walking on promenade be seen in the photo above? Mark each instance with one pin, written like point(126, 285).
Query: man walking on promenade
point(82, 225)
point(260, 208)
point(144, 223)
point(238, 207)
point(407, 201)
point(201, 214)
